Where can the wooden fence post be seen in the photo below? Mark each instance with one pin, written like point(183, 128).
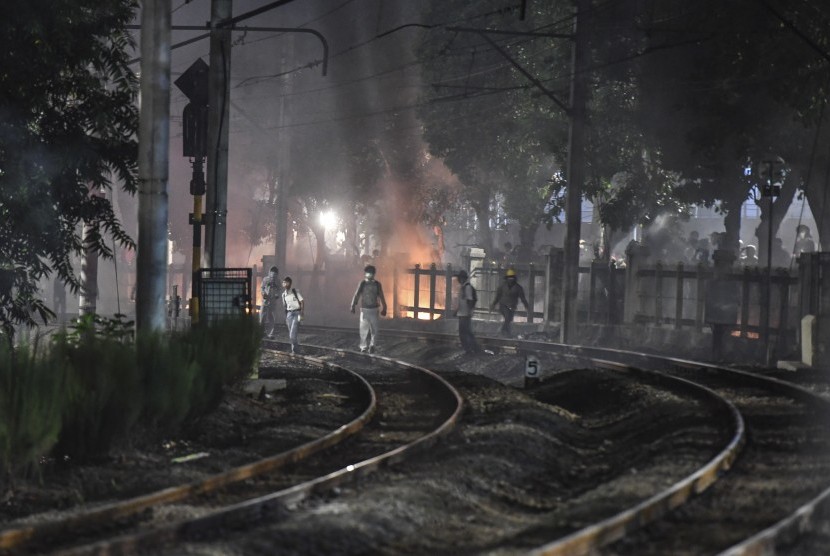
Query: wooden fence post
point(416, 297)
point(745, 282)
point(432, 273)
point(396, 310)
point(658, 293)
point(701, 296)
point(678, 297)
point(637, 255)
point(531, 294)
point(448, 292)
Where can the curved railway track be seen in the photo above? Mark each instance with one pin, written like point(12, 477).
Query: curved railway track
point(786, 463)
point(776, 450)
point(407, 409)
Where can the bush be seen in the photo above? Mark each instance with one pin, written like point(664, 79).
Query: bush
point(226, 353)
point(104, 385)
point(32, 398)
point(96, 384)
point(170, 370)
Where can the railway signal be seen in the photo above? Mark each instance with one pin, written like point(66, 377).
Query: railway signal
point(194, 84)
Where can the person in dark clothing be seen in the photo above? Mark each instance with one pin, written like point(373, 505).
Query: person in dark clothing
point(467, 298)
point(803, 240)
point(270, 290)
point(370, 296)
point(507, 298)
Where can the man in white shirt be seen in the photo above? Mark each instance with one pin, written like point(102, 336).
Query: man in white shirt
point(294, 306)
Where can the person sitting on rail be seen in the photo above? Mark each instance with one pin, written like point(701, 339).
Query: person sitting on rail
point(370, 295)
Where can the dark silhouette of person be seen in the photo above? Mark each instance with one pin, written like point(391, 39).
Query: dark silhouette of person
point(507, 298)
point(780, 256)
point(803, 240)
point(467, 298)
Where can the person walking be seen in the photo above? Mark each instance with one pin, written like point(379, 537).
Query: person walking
point(267, 313)
point(803, 240)
point(294, 305)
point(370, 296)
point(467, 298)
point(507, 298)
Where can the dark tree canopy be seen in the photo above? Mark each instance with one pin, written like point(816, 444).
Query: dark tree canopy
point(68, 122)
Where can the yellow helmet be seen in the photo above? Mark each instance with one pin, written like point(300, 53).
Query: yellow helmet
point(510, 272)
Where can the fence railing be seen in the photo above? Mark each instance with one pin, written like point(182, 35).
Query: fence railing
point(676, 296)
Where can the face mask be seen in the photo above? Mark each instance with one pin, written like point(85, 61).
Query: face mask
point(368, 276)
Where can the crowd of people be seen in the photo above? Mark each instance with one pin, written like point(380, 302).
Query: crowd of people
point(371, 301)
point(700, 250)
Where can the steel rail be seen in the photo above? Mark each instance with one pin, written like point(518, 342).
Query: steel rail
point(806, 517)
point(257, 508)
point(613, 528)
point(18, 538)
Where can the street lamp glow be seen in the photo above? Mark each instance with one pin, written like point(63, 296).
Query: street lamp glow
point(328, 219)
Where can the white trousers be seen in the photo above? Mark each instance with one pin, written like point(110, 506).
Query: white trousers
point(369, 319)
point(292, 320)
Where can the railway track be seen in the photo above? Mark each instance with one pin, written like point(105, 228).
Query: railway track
point(388, 432)
point(785, 464)
point(765, 439)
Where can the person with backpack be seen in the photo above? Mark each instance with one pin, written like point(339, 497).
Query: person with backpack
point(267, 312)
point(294, 307)
point(370, 295)
point(467, 299)
point(507, 298)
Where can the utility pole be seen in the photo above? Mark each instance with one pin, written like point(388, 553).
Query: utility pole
point(153, 152)
point(283, 157)
point(771, 188)
point(575, 173)
point(218, 121)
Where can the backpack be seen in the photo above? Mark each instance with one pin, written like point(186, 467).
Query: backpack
point(369, 292)
point(475, 293)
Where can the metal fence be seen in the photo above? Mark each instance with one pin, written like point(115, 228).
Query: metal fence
point(223, 292)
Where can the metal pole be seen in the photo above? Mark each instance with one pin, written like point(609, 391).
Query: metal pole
point(767, 343)
point(153, 152)
point(283, 157)
point(575, 173)
point(196, 221)
point(219, 102)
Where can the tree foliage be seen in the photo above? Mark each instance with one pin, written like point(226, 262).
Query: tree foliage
point(683, 96)
point(68, 121)
point(495, 130)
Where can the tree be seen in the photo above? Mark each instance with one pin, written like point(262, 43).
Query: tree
point(68, 120)
point(498, 132)
point(724, 85)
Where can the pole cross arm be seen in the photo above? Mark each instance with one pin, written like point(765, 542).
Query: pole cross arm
point(317, 34)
